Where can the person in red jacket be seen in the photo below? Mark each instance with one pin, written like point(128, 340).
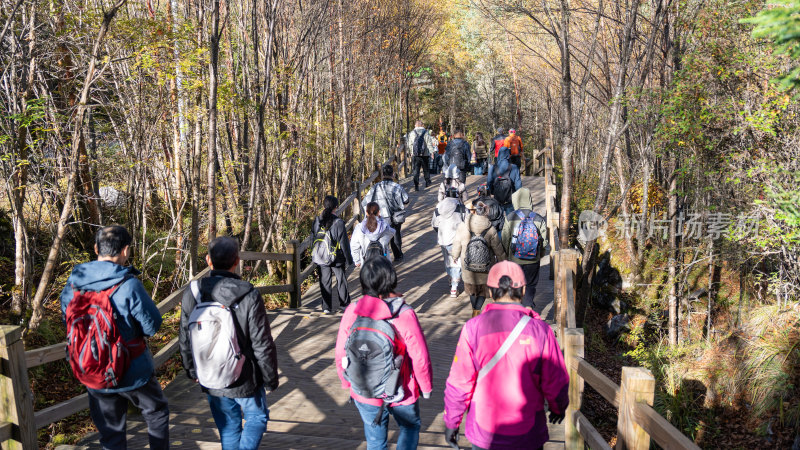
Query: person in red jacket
point(381, 303)
point(507, 363)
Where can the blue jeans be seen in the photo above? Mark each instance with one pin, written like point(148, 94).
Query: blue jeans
point(227, 413)
point(407, 418)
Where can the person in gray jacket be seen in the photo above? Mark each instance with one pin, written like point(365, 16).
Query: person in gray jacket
point(245, 397)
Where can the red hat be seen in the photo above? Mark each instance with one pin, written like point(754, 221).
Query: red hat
point(509, 269)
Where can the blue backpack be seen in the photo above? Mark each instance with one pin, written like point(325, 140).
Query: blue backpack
point(526, 239)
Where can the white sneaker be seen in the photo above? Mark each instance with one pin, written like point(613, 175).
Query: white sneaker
point(453, 292)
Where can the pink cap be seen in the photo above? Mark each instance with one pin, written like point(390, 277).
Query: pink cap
point(509, 269)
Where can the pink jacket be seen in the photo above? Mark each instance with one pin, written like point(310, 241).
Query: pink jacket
point(416, 371)
point(506, 409)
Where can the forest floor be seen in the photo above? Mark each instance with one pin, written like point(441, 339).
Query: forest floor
point(723, 426)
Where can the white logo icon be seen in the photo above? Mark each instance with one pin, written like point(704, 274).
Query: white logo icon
point(591, 226)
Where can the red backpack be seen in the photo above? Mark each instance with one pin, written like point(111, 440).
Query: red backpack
point(98, 354)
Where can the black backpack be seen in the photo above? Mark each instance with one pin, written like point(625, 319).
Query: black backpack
point(478, 257)
point(458, 156)
point(451, 192)
point(374, 249)
point(420, 148)
point(503, 188)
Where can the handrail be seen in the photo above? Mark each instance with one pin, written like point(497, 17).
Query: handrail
point(637, 421)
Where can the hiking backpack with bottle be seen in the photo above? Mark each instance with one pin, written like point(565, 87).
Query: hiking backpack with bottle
point(323, 252)
point(96, 351)
point(526, 240)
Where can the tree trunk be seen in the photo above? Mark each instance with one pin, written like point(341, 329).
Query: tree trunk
point(66, 210)
point(213, 66)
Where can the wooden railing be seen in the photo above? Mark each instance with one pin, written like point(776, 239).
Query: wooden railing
point(637, 422)
point(19, 421)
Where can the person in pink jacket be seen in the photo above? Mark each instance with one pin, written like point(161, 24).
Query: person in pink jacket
point(505, 391)
point(381, 303)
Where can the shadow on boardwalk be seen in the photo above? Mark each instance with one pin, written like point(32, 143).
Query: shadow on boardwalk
point(310, 409)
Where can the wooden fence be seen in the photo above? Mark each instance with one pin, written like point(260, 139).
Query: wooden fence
point(18, 420)
point(637, 422)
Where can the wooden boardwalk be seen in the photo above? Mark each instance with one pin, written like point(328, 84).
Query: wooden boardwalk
point(309, 409)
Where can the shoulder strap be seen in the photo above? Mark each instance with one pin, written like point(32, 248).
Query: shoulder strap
point(519, 213)
point(505, 347)
point(483, 233)
point(194, 285)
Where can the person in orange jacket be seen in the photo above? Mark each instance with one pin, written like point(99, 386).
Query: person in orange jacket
point(514, 144)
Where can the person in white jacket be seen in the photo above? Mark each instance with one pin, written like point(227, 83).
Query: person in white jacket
point(447, 216)
point(372, 228)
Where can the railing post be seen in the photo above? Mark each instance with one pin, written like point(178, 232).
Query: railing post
point(573, 348)
point(561, 282)
point(293, 267)
point(356, 210)
point(17, 398)
point(552, 227)
point(638, 385)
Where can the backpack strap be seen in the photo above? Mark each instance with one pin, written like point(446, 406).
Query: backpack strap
point(483, 233)
point(505, 347)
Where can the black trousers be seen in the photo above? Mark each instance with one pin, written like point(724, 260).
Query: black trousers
point(397, 241)
point(341, 294)
point(422, 162)
point(531, 272)
point(516, 160)
point(109, 414)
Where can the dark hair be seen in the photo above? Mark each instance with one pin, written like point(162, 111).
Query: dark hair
point(378, 278)
point(373, 211)
point(388, 171)
point(111, 240)
point(479, 138)
point(328, 204)
point(481, 209)
point(224, 251)
point(501, 130)
point(458, 131)
point(504, 288)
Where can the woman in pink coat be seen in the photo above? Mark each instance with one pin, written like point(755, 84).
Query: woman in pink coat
point(381, 313)
point(505, 392)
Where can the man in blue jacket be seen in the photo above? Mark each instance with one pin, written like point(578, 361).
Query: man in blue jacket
point(136, 316)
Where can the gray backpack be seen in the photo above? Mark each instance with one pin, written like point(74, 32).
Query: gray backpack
point(218, 358)
point(371, 363)
point(323, 251)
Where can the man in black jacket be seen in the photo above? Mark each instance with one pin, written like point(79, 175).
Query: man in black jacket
point(245, 397)
point(458, 152)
